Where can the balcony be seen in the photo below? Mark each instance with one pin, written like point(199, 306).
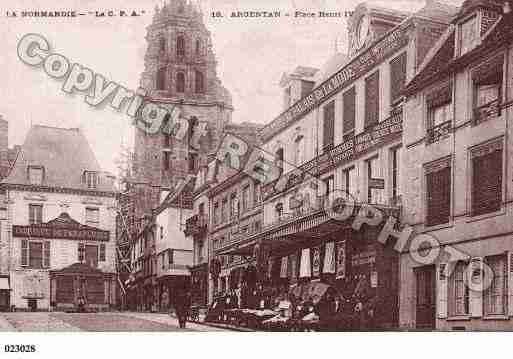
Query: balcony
point(438, 132)
point(487, 111)
point(196, 225)
point(310, 223)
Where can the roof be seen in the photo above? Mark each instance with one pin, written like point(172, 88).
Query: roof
point(436, 11)
point(64, 153)
point(444, 63)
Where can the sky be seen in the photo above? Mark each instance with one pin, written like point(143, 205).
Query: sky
point(252, 55)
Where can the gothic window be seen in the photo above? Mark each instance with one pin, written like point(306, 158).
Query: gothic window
point(180, 46)
point(161, 79)
point(199, 82)
point(180, 82)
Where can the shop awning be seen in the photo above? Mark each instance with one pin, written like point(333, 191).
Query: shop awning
point(4, 283)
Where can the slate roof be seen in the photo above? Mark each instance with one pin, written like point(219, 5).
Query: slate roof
point(443, 63)
point(64, 153)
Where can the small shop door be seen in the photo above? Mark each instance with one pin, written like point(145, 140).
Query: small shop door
point(426, 299)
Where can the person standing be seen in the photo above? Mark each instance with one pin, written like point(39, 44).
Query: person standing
point(182, 305)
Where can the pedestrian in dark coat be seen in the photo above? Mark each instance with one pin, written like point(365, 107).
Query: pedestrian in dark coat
point(182, 305)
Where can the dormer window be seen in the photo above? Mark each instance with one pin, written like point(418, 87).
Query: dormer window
point(91, 179)
point(469, 34)
point(35, 175)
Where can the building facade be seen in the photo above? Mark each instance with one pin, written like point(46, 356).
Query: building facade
point(58, 225)
point(456, 159)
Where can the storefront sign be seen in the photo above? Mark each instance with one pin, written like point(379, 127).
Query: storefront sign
point(359, 66)
point(329, 258)
point(42, 231)
point(316, 262)
point(284, 269)
point(364, 257)
point(293, 268)
point(377, 183)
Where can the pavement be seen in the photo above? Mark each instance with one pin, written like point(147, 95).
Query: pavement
point(96, 322)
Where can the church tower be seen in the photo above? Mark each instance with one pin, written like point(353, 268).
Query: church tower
point(180, 71)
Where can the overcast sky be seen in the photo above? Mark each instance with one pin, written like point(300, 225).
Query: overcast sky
point(252, 54)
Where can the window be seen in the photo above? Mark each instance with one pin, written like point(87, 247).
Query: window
point(161, 79)
point(91, 179)
point(349, 100)
point(224, 210)
point(459, 291)
point(328, 185)
point(397, 77)
point(395, 155)
point(233, 205)
point(35, 175)
point(165, 161)
point(256, 192)
point(200, 251)
point(279, 210)
point(180, 46)
point(487, 87)
point(280, 155)
point(439, 106)
point(299, 150)
point(216, 213)
point(102, 253)
point(92, 216)
point(487, 178)
point(328, 126)
point(438, 193)
point(198, 47)
point(91, 255)
point(245, 198)
point(35, 254)
point(496, 296)
point(374, 190)
point(371, 100)
point(201, 209)
point(81, 252)
point(200, 85)
point(35, 213)
point(349, 178)
point(162, 44)
point(468, 35)
point(180, 82)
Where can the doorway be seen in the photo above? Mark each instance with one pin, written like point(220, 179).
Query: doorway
point(32, 304)
point(426, 297)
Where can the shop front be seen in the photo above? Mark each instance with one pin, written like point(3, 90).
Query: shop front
point(80, 287)
point(358, 274)
point(5, 294)
point(177, 278)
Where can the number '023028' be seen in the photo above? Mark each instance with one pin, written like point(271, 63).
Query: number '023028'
point(19, 348)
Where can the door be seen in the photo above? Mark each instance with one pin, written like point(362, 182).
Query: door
point(426, 298)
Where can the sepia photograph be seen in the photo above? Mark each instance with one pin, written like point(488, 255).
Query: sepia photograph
point(255, 166)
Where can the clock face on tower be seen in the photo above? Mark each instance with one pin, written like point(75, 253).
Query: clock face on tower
point(362, 32)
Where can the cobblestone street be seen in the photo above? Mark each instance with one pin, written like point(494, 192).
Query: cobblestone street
point(95, 322)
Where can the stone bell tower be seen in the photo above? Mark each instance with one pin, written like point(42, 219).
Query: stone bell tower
point(180, 71)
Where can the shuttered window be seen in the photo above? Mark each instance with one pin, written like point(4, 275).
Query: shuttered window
point(459, 291)
point(438, 190)
point(349, 101)
point(397, 76)
point(371, 100)
point(329, 125)
point(487, 181)
point(102, 253)
point(24, 252)
point(46, 254)
point(496, 296)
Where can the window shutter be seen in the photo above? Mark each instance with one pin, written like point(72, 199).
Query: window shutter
point(24, 252)
point(81, 250)
point(397, 76)
point(329, 125)
point(442, 280)
point(438, 196)
point(510, 282)
point(476, 297)
point(46, 254)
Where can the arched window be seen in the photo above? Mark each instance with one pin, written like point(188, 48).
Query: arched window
point(162, 44)
point(180, 82)
point(180, 46)
point(161, 79)
point(199, 82)
point(198, 47)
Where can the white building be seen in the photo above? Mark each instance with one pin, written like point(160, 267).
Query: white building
point(58, 225)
